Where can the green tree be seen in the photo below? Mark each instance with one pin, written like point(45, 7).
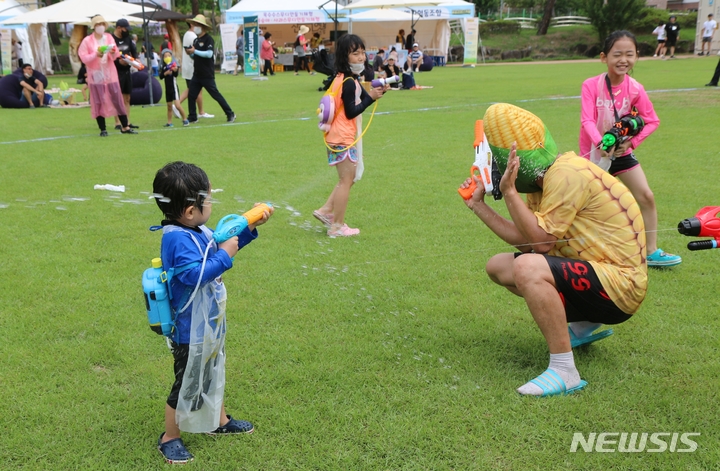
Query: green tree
point(607, 16)
point(483, 6)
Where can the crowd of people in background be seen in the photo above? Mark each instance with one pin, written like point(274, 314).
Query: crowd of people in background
point(198, 66)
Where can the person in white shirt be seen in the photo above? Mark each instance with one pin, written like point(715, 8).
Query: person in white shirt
point(660, 33)
point(709, 28)
point(188, 69)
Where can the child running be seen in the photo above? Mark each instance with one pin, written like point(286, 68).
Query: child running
point(605, 98)
point(169, 73)
point(196, 264)
point(344, 140)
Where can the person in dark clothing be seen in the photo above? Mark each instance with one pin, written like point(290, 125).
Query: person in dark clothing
point(392, 69)
point(715, 78)
point(124, 43)
point(673, 33)
point(410, 40)
point(202, 52)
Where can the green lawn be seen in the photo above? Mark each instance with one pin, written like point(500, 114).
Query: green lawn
point(388, 351)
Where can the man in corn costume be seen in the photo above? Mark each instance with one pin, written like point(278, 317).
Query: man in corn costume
point(581, 238)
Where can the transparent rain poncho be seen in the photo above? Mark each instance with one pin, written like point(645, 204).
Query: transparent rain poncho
point(201, 395)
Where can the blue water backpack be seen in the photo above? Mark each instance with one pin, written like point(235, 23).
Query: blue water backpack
point(156, 288)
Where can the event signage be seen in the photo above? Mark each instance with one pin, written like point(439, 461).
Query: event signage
point(6, 51)
point(252, 46)
point(229, 35)
point(472, 34)
point(284, 17)
point(439, 12)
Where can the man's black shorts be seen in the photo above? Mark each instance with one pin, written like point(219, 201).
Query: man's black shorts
point(125, 79)
point(670, 41)
point(581, 292)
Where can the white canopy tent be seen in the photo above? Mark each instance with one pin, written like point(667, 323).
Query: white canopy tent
point(284, 17)
point(78, 12)
point(36, 49)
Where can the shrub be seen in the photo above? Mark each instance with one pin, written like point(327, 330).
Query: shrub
point(649, 18)
point(499, 27)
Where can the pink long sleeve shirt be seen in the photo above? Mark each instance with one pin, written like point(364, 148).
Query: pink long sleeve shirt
point(597, 115)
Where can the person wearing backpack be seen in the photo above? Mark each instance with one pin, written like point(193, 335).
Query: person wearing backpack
point(343, 140)
point(195, 264)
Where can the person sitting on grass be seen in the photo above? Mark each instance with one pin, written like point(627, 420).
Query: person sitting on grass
point(580, 235)
point(169, 73)
point(31, 87)
point(390, 70)
point(415, 58)
point(196, 402)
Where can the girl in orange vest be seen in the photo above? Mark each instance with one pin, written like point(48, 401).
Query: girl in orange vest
point(344, 147)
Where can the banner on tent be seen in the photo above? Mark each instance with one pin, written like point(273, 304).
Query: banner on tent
point(6, 51)
point(284, 17)
point(252, 46)
point(472, 33)
point(228, 35)
point(440, 12)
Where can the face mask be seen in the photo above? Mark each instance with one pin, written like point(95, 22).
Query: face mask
point(99, 29)
point(124, 34)
point(357, 68)
point(28, 75)
point(197, 30)
point(167, 59)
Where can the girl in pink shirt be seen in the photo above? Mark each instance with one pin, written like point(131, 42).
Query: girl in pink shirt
point(615, 94)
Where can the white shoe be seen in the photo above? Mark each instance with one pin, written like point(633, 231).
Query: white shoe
point(206, 115)
point(176, 112)
point(654, 55)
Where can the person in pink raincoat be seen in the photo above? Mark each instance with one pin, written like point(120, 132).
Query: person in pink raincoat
point(106, 99)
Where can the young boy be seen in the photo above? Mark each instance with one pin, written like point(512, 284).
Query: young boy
point(196, 262)
point(169, 73)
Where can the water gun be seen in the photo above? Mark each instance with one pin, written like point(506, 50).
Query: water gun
point(232, 224)
point(628, 126)
point(173, 65)
point(706, 223)
point(381, 82)
point(105, 49)
point(484, 168)
point(132, 61)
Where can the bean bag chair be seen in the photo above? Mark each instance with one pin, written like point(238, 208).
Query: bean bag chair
point(427, 64)
point(141, 89)
point(10, 90)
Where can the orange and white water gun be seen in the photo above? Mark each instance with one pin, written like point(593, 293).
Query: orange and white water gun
point(482, 169)
point(131, 61)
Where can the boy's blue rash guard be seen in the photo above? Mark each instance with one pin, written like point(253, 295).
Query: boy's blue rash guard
point(177, 250)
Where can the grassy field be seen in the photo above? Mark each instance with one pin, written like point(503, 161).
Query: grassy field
point(388, 351)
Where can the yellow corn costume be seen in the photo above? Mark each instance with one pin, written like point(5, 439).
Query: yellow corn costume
point(505, 124)
point(593, 215)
